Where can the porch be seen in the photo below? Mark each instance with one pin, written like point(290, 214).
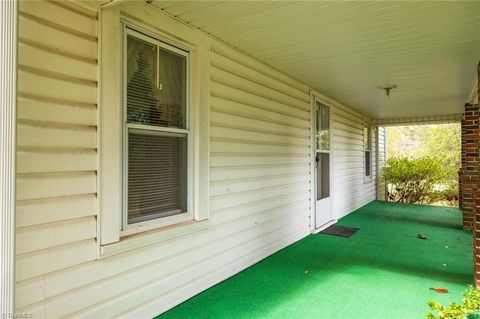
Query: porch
point(382, 271)
point(129, 184)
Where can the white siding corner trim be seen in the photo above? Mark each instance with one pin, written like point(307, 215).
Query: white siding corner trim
point(8, 96)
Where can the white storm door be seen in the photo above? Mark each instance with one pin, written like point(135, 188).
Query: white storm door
point(323, 206)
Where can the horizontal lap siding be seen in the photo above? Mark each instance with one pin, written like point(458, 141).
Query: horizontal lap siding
point(351, 190)
point(260, 173)
point(260, 190)
point(117, 284)
point(260, 144)
point(56, 141)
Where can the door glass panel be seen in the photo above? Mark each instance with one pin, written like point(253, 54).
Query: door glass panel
point(322, 136)
point(323, 175)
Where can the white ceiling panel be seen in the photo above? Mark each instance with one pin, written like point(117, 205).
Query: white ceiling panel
point(348, 49)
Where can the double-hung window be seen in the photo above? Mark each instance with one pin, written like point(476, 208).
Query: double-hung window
point(157, 137)
point(154, 129)
point(367, 144)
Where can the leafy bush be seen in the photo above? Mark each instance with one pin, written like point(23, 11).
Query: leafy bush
point(440, 141)
point(412, 180)
point(448, 195)
point(468, 309)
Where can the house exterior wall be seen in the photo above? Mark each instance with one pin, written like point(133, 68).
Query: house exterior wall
point(351, 189)
point(260, 175)
point(382, 160)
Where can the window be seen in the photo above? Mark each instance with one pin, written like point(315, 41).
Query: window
point(156, 131)
point(367, 144)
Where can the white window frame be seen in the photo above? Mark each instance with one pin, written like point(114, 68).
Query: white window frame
point(113, 238)
point(132, 228)
point(369, 147)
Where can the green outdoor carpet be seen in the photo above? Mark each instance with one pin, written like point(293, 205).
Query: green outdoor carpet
point(382, 271)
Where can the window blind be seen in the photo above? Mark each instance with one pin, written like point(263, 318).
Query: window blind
point(157, 175)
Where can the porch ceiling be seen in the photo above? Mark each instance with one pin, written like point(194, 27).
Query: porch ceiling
point(348, 49)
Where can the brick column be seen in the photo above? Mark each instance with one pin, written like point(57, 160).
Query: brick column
point(469, 171)
point(460, 171)
point(473, 161)
point(471, 181)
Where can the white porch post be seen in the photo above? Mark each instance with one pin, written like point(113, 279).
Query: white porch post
point(8, 97)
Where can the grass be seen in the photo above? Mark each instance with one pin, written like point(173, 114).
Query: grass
point(383, 271)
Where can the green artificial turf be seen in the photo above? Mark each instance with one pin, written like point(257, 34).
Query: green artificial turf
point(383, 271)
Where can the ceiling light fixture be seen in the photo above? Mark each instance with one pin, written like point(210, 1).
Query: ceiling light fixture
point(387, 88)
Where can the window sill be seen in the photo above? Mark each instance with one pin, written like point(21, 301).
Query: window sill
point(150, 237)
point(154, 224)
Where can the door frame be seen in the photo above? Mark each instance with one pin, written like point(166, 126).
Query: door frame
point(314, 98)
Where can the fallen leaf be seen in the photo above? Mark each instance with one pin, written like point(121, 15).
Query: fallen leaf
point(420, 236)
point(306, 271)
point(445, 246)
point(440, 290)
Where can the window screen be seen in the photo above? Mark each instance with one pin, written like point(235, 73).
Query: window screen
point(156, 129)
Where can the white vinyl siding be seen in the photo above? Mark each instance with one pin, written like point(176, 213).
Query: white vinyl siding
point(57, 139)
point(351, 190)
point(382, 159)
point(256, 155)
point(260, 176)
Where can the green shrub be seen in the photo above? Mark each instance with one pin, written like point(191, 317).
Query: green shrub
point(412, 180)
point(449, 195)
point(468, 309)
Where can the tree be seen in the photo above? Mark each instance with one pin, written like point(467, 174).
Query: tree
point(440, 141)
